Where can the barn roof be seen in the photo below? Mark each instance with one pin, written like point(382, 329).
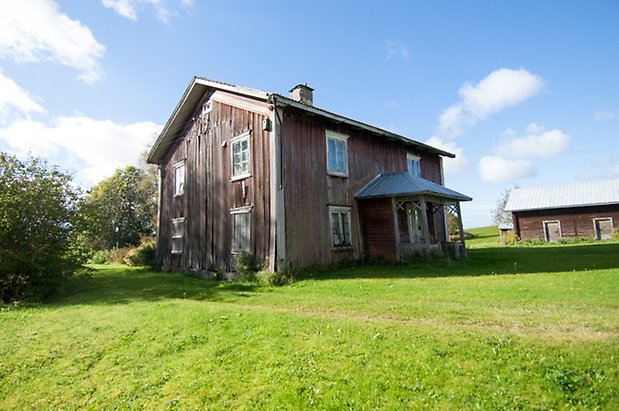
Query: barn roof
point(589, 193)
point(183, 114)
point(404, 184)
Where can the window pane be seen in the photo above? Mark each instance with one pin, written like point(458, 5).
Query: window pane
point(335, 229)
point(331, 155)
point(179, 179)
point(345, 229)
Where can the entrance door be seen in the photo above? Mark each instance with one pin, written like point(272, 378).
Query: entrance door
point(552, 231)
point(603, 228)
point(415, 224)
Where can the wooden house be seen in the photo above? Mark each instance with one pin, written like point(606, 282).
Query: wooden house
point(585, 209)
point(296, 185)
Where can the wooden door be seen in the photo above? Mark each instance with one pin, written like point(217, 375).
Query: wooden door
point(552, 231)
point(603, 228)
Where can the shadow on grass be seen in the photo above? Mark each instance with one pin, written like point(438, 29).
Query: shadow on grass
point(488, 261)
point(121, 285)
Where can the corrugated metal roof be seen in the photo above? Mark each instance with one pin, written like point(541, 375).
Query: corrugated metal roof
point(404, 184)
point(588, 193)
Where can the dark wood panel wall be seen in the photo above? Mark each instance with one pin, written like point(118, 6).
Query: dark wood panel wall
point(209, 192)
point(575, 222)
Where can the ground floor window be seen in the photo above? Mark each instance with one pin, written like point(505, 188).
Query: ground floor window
point(178, 234)
point(603, 228)
point(552, 231)
point(241, 221)
point(340, 226)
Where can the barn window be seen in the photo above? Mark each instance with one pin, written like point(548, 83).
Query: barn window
point(241, 221)
point(337, 156)
point(552, 231)
point(339, 218)
point(412, 163)
point(207, 107)
point(178, 233)
point(603, 228)
point(179, 178)
point(240, 156)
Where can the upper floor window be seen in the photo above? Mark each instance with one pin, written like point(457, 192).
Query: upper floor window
point(207, 107)
point(179, 178)
point(240, 156)
point(337, 156)
point(412, 163)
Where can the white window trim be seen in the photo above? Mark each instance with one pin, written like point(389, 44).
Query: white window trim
point(173, 237)
point(413, 157)
point(334, 135)
point(347, 210)
point(180, 164)
point(235, 140)
point(596, 219)
point(207, 107)
point(546, 236)
point(240, 210)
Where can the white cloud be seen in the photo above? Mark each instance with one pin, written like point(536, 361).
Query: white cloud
point(397, 49)
point(614, 170)
point(14, 99)
point(495, 169)
point(129, 8)
point(546, 144)
point(35, 30)
point(94, 147)
point(500, 89)
point(452, 165)
point(604, 115)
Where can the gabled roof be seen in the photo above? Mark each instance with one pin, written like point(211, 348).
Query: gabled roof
point(590, 193)
point(182, 116)
point(404, 184)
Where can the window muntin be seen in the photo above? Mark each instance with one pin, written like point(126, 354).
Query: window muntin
point(337, 153)
point(412, 164)
point(339, 219)
point(177, 235)
point(179, 178)
point(240, 156)
point(241, 224)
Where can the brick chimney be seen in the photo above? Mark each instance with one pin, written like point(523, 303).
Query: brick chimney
point(302, 93)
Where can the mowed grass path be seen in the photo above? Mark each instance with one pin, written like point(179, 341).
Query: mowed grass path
point(542, 333)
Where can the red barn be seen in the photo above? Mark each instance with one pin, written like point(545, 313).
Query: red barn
point(294, 184)
point(585, 209)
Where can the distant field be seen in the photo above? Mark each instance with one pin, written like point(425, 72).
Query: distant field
point(483, 237)
point(512, 327)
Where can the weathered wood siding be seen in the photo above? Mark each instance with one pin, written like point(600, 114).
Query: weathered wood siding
point(575, 222)
point(209, 192)
point(310, 190)
point(376, 216)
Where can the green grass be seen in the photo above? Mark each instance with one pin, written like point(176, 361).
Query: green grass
point(482, 333)
point(483, 237)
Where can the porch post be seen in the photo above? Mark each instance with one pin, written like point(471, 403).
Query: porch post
point(460, 228)
point(426, 229)
point(396, 228)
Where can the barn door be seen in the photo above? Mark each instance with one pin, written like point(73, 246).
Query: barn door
point(552, 231)
point(603, 228)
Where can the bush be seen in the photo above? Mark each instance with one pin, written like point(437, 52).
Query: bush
point(144, 255)
point(246, 266)
point(509, 238)
point(615, 234)
point(277, 279)
point(100, 257)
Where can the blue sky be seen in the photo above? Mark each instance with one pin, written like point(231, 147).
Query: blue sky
point(523, 92)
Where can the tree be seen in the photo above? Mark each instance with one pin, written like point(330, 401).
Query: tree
point(37, 212)
point(499, 215)
point(119, 210)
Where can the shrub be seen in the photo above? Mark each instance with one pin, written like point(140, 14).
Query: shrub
point(509, 238)
point(277, 279)
point(246, 266)
point(143, 255)
point(615, 234)
point(100, 257)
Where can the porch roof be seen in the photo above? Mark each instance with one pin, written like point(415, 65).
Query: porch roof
point(403, 184)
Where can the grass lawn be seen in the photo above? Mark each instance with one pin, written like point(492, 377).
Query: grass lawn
point(517, 327)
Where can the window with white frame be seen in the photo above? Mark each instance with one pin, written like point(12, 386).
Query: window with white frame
point(241, 224)
point(207, 106)
point(240, 156)
point(412, 164)
point(178, 234)
point(337, 155)
point(179, 178)
point(339, 218)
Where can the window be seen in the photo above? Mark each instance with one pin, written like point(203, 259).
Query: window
point(337, 156)
point(340, 226)
point(415, 224)
point(240, 156)
point(412, 163)
point(178, 233)
point(179, 178)
point(240, 228)
point(552, 231)
point(207, 107)
point(603, 228)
